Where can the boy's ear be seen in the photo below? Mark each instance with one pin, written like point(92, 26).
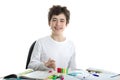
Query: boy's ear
point(49, 23)
point(66, 24)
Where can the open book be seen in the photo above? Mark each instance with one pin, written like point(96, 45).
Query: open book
point(36, 75)
point(30, 74)
point(39, 75)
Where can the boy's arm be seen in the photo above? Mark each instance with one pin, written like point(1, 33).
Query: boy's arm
point(35, 62)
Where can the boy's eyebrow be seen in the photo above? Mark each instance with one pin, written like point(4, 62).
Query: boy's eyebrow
point(54, 18)
point(60, 19)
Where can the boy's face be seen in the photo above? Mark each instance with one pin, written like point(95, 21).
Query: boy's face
point(58, 23)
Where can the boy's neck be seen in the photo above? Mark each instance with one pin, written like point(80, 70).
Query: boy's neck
point(58, 38)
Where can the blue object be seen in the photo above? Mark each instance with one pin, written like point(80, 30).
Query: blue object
point(73, 74)
point(95, 75)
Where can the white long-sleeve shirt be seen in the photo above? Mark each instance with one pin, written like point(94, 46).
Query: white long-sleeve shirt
point(62, 52)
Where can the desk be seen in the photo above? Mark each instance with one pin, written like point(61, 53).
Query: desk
point(82, 76)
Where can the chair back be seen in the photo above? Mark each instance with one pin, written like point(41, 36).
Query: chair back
point(30, 53)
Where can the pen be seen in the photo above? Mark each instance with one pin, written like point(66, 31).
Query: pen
point(115, 75)
point(95, 75)
point(74, 74)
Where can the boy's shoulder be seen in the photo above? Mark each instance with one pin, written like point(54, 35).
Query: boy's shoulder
point(43, 38)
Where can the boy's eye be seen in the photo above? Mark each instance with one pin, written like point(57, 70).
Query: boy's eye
point(54, 19)
point(62, 21)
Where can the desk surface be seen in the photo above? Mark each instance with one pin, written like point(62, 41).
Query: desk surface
point(82, 76)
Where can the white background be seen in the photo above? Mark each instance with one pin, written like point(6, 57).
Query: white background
point(94, 28)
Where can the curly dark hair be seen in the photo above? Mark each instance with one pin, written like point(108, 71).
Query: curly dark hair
point(56, 10)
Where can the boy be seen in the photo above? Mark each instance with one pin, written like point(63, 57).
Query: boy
point(54, 51)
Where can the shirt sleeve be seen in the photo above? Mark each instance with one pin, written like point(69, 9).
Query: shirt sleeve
point(72, 62)
point(35, 61)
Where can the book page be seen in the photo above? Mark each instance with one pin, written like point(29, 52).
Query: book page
point(37, 75)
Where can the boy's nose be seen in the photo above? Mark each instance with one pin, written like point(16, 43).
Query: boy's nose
point(58, 23)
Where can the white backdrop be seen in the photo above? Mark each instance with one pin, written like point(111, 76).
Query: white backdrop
point(94, 28)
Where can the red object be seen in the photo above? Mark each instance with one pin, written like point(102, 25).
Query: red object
point(62, 78)
point(50, 71)
point(59, 70)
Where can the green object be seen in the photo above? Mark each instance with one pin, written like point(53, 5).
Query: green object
point(63, 70)
point(50, 77)
point(66, 71)
point(54, 76)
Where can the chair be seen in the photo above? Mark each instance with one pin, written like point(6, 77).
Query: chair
point(30, 53)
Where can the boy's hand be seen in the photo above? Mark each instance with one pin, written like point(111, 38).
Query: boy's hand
point(50, 64)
